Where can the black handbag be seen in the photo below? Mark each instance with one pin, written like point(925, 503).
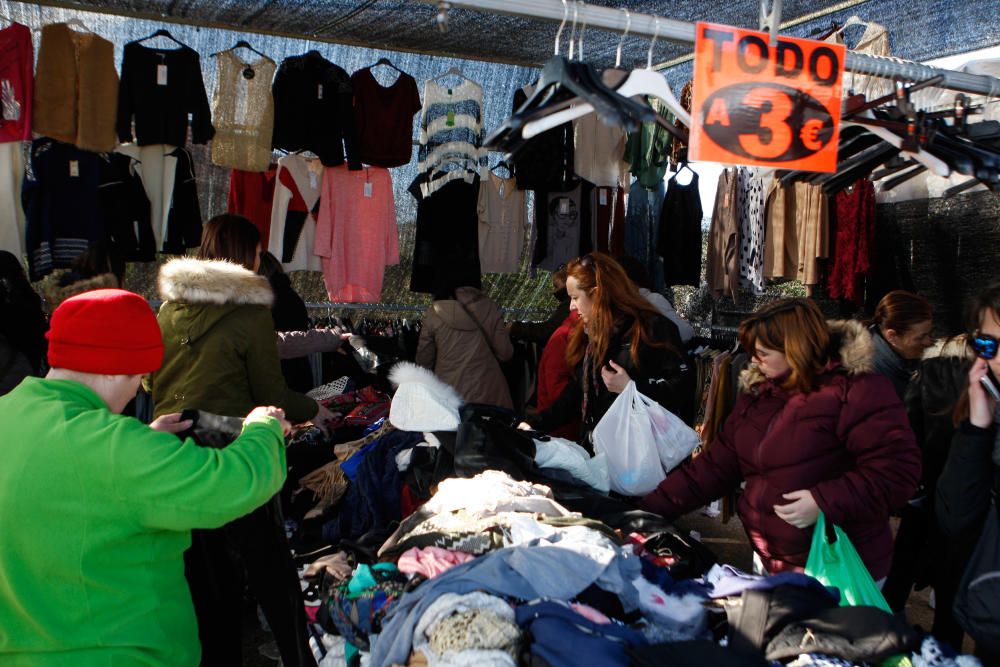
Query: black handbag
point(488, 439)
point(977, 605)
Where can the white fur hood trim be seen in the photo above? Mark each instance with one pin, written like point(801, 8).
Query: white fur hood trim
point(203, 281)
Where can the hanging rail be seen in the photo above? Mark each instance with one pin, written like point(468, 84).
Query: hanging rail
point(649, 25)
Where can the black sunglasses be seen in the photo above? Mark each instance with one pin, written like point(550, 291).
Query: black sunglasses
point(985, 345)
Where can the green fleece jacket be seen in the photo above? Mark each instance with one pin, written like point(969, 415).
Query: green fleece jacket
point(221, 352)
point(96, 511)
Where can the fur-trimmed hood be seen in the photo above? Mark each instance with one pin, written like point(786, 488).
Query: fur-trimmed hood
point(58, 290)
point(956, 347)
point(203, 281)
point(422, 401)
point(851, 345)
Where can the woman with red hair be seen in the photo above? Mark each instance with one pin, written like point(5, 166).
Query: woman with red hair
point(618, 337)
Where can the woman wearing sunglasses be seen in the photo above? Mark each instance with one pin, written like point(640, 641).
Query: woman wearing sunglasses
point(971, 477)
point(618, 337)
point(813, 429)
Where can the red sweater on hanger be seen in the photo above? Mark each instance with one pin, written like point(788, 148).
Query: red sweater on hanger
point(250, 195)
point(851, 259)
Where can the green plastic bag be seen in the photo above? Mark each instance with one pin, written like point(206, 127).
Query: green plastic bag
point(834, 561)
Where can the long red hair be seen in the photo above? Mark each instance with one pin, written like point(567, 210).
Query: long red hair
point(615, 298)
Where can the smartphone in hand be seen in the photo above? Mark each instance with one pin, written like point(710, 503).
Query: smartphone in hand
point(989, 382)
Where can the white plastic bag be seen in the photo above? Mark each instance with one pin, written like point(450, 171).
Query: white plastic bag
point(642, 442)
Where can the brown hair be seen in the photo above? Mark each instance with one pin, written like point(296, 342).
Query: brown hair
point(901, 310)
point(976, 309)
point(232, 238)
point(614, 297)
point(797, 328)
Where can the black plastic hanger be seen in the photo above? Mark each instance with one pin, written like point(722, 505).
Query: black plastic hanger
point(902, 178)
point(163, 32)
point(560, 82)
point(242, 44)
point(387, 63)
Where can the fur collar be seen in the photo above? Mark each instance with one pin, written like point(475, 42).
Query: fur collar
point(851, 345)
point(203, 281)
point(956, 346)
point(56, 293)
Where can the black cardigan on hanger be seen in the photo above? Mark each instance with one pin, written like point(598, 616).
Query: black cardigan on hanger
point(314, 110)
point(159, 88)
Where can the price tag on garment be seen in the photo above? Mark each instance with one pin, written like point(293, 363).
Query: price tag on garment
point(603, 196)
point(564, 206)
point(74, 169)
point(757, 104)
point(368, 190)
point(313, 179)
point(319, 91)
point(161, 75)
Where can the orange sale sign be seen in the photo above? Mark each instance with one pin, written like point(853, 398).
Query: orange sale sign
point(757, 104)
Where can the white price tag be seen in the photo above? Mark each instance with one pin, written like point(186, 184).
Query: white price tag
point(564, 206)
point(368, 190)
point(161, 75)
point(313, 179)
point(319, 91)
point(603, 197)
point(74, 169)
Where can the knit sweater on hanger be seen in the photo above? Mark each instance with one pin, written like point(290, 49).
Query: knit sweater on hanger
point(451, 135)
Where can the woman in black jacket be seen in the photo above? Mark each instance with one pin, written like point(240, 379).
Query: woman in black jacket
point(970, 480)
point(619, 337)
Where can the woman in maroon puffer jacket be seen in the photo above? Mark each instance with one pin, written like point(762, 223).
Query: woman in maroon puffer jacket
point(814, 430)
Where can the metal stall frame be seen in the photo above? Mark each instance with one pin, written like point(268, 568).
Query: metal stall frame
point(659, 27)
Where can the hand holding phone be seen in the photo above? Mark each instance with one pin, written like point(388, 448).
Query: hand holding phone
point(984, 393)
point(990, 384)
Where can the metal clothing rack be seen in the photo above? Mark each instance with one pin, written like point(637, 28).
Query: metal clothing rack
point(659, 27)
point(409, 308)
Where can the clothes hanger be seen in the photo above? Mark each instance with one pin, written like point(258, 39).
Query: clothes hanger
point(961, 187)
point(641, 82)
point(452, 71)
point(242, 44)
point(903, 177)
point(163, 32)
point(77, 23)
point(935, 164)
point(891, 169)
point(562, 80)
point(853, 20)
point(388, 63)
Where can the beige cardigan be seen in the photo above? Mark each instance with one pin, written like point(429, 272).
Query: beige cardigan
point(76, 89)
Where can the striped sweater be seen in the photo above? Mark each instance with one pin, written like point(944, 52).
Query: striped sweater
point(451, 135)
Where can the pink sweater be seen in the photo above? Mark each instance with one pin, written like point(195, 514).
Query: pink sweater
point(356, 235)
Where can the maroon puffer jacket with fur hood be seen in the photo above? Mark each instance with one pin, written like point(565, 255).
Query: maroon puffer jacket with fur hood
point(849, 442)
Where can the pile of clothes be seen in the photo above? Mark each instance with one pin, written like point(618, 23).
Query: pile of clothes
point(456, 539)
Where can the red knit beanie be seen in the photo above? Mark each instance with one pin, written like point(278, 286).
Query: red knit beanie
point(106, 332)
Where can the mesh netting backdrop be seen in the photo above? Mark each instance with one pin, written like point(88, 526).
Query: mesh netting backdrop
point(499, 81)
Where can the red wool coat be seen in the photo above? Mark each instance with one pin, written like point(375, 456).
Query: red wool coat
point(848, 442)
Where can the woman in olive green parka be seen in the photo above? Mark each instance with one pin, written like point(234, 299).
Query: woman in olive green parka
point(221, 351)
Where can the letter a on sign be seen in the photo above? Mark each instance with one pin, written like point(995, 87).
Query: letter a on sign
point(774, 106)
